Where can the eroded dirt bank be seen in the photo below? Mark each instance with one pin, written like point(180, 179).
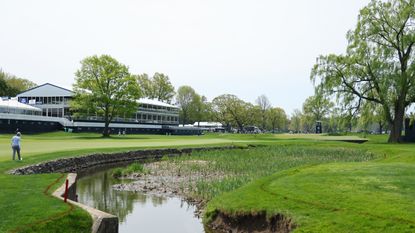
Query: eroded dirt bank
point(249, 223)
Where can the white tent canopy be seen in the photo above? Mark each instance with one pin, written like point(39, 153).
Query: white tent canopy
point(14, 104)
point(208, 124)
point(155, 102)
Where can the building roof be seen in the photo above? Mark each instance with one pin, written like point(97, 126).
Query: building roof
point(208, 124)
point(46, 90)
point(155, 102)
point(49, 90)
point(14, 104)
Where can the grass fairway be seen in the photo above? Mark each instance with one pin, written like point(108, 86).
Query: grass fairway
point(376, 196)
point(26, 205)
point(58, 142)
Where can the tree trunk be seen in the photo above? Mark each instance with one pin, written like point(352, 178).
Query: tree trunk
point(184, 119)
point(380, 127)
point(106, 132)
point(397, 124)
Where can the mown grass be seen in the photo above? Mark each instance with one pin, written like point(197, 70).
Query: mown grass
point(22, 201)
point(23, 205)
point(374, 196)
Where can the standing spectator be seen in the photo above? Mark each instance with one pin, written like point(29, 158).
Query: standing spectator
point(16, 145)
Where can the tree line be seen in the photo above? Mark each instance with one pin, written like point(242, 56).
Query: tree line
point(105, 87)
point(335, 118)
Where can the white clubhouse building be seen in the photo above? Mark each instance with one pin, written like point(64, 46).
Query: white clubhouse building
point(47, 108)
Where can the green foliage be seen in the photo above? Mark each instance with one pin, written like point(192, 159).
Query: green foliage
point(117, 173)
point(231, 110)
point(264, 106)
point(295, 123)
point(135, 168)
point(379, 64)
point(157, 87)
point(317, 106)
point(104, 87)
point(130, 169)
point(11, 85)
point(189, 102)
point(277, 119)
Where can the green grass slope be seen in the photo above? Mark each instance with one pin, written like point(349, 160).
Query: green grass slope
point(376, 196)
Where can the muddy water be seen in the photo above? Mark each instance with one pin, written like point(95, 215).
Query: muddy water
point(137, 212)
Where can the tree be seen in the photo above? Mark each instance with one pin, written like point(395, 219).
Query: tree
point(202, 109)
point(157, 87)
point(105, 87)
point(295, 124)
point(10, 85)
point(277, 119)
point(186, 98)
point(317, 106)
point(231, 110)
point(254, 115)
point(220, 113)
point(379, 64)
point(163, 89)
point(145, 84)
point(372, 114)
point(264, 105)
point(4, 88)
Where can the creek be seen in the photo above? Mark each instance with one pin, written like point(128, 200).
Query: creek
point(137, 212)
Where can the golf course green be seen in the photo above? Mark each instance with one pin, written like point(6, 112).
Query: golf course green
point(336, 194)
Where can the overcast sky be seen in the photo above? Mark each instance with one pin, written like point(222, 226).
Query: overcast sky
point(241, 47)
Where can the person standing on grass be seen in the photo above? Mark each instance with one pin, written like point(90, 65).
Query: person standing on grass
point(16, 145)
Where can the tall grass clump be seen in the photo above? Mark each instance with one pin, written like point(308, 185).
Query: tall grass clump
point(136, 167)
point(227, 170)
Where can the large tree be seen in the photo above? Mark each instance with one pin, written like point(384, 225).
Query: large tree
point(264, 105)
point(379, 65)
point(317, 106)
point(277, 119)
point(105, 87)
point(202, 110)
point(295, 121)
point(187, 99)
point(157, 87)
point(232, 110)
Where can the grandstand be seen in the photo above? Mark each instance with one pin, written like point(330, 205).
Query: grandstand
point(46, 108)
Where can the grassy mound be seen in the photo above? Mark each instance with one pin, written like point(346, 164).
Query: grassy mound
point(235, 168)
point(342, 197)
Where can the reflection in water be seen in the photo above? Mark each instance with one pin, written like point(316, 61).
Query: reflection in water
point(137, 212)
